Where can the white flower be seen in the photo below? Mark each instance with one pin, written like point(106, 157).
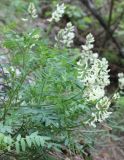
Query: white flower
point(58, 13)
point(66, 36)
point(24, 19)
point(12, 69)
point(89, 41)
point(103, 103)
point(101, 113)
point(121, 80)
point(95, 93)
point(92, 72)
point(116, 96)
point(36, 36)
point(120, 75)
point(32, 10)
point(94, 120)
point(100, 116)
point(15, 70)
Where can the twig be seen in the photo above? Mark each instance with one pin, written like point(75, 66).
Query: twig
point(110, 13)
point(109, 21)
point(118, 20)
point(92, 9)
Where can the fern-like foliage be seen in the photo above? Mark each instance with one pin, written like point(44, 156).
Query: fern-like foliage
point(21, 143)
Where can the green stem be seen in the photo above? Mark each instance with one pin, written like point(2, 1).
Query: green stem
point(49, 28)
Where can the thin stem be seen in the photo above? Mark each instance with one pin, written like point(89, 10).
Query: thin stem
point(109, 21)
point(49, 28)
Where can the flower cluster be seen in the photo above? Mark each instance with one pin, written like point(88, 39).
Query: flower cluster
point(102, 112)
point(35, 37)
point(93, 74)
point(102, 107)
point(31, 11)
point(12, 70)
point(65, 36)
point(5, 83)
point(121, 80)
point(99, 117)
point(58, 13)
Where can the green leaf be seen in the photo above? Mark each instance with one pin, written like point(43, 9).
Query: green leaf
point(18, 137)
point(42, 141)
point(8, 148)
point(5, 139)
point(17, 146)
point(23, 145)
point(9, 140)
point(37, 139)
point(33, 140)
point(28, 140)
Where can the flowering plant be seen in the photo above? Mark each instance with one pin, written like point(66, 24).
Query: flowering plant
point(51, 90)
point(58, 13)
